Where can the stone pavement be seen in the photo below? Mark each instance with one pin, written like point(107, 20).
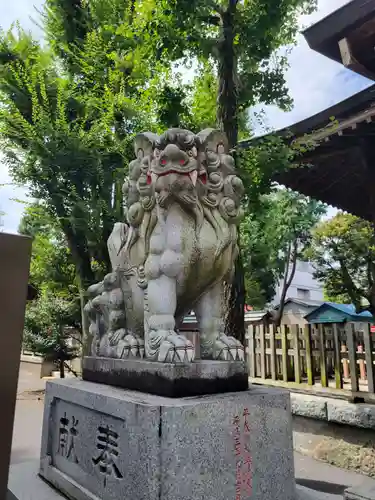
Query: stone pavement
point(329, 481)
point(319, 480)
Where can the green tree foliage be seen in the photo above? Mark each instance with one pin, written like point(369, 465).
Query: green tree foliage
point(46, 331)
point(276, 238)
point(343, 252)
point(52, 269)
point(55, 312)
point(240, 39)
point(69, 110)
point(60, 143)
point(54, 146)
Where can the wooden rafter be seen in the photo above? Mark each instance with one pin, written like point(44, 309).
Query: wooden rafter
point(349, 60)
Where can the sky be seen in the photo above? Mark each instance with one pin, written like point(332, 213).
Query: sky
point(315, 83)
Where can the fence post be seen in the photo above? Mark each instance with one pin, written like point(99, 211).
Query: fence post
point(273, 331)
point(323, 358)
point(284, 350)
point(349, 329)
point(297, 354)
point(345, 362)
point(361, 362)
point(369, 359)
point(309, 357)
point(251, 359)
point(262, 355)
point(337, 357)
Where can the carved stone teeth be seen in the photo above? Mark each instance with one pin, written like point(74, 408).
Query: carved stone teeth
point(234, 353)
point(193, 176)
point(190, 354)
point(134, 351)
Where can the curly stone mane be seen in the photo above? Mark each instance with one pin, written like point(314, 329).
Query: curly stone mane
point(218, 190)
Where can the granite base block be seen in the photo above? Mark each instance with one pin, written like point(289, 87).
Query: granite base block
point(168, 379)
point(105, 443)
point(26, 484)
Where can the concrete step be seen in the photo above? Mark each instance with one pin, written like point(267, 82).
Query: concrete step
point(25, 484)
point(304, 493)
point(363, 492)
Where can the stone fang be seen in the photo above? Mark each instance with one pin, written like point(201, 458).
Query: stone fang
point(193, 176)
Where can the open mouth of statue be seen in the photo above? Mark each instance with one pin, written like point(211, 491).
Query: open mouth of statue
point(152, 176)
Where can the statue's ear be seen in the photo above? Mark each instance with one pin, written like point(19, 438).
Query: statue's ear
point(143, 144)
point(213, 140)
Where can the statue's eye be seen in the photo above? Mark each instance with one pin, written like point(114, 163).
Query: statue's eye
point(192, 152)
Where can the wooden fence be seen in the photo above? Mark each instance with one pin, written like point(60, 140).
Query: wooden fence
point(325, 358)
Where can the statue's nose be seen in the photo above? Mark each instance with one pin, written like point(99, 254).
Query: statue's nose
point(175, 155)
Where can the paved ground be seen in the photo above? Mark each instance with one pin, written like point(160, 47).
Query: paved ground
point(318, 476)
point(326, 479)
point(28, 419)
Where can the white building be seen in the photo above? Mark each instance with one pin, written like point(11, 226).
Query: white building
point(303, 287)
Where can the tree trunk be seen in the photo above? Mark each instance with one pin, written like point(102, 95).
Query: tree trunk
point(291, 257)
point(227, 99)
point(62, 368)
point(227, 119)
point(87, 337)
point(235, 321)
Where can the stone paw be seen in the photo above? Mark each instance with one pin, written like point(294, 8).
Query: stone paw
point(131, 346)
point(176, 349)
point(228, 349)
point(114, 337)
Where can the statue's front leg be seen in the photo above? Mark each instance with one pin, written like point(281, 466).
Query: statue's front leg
point(210, 313)
point(162, 343)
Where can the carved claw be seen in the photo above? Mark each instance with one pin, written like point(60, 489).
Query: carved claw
point(228, 349)
point(176, 349)
point(115, 337)
point(131, 346)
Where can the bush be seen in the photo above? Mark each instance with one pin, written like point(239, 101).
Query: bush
point(46, 331)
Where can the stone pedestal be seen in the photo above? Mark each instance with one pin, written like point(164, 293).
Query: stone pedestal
point(104, 443)
point(172, 380)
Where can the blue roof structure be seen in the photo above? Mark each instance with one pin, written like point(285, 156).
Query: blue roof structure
point(330, 312)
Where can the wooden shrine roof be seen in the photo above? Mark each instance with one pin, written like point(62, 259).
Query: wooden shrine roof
point(340, 170)
point(347, 36)
point(335, 172)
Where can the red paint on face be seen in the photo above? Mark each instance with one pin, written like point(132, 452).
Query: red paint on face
point(203, 178)
point(163, 161)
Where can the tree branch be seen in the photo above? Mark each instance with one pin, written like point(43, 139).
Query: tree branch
point(291, 256)
point(70, 369)
point(294, 263)
point(370, 272)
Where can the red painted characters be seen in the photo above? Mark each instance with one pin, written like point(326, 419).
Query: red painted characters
point(241, 434)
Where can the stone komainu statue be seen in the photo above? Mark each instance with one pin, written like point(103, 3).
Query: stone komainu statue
point(174, 254)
